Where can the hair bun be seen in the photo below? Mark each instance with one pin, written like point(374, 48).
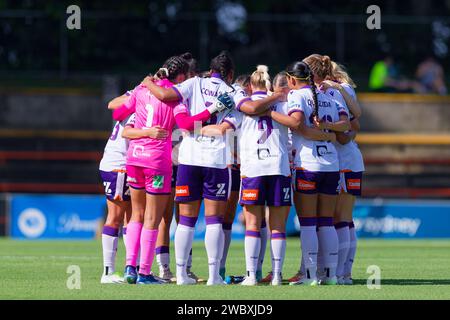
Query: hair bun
point(164, 72)
point(262, 68)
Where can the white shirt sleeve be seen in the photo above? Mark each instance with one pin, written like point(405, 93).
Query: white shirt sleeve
point(129, 122)
point(234, 118)
point(295, 102)
point(185, 89)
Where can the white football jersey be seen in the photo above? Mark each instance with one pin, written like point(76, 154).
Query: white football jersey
point(263, 143)
point(115, 153)
point(350, 157)
point(195, 149)
point(314, 155)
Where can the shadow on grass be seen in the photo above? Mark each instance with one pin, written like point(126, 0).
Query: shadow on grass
point(407, 282)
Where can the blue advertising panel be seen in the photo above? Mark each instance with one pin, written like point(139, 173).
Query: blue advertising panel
point(402, 219)
point(55, 216)
point(80, 216)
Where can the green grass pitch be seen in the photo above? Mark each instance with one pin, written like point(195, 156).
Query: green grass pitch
point(414, 269)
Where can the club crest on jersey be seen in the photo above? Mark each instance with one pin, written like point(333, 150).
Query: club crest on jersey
point(354, 184)
point(305, 185)
point(182, 191)
point(250, 194)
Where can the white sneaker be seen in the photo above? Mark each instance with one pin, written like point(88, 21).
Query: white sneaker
point(183, 281)
point(249, 281)
point(340, 280)
point(305, 282)
point(216, 282)
point(111, 278)
point(276, 280)
point(167, 275)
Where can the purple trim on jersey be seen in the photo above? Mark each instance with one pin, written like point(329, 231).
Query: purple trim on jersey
point(124, 230)
point(230, 123)
point(325, 221)
point(158, 193)
point(110, 231)
point(279, 235)
point(251, 233)
point(351, 225)
point(294, 111)
point(227, 226)
point(238, 107)
point(188, 221)
point(216, 75)
point(343, 113)
point(259, 92)
point(341, 225)
point(307, 221)
point(214, 220)
point(306, 87)
point(263, 223)
point(162, 249)
point(180, 97)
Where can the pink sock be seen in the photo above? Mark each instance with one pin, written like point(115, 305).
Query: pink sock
point(132, 244)
point(148, 244)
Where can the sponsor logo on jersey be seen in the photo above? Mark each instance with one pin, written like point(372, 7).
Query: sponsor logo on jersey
point(158, 182)
point(353, 184)
point(250, 194)
point(131, 179)
point(305, 185)
point(182, 191)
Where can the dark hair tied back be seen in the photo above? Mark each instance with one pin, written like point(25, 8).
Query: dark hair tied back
point(173, 67)
point(301, 71)
point(222, 64)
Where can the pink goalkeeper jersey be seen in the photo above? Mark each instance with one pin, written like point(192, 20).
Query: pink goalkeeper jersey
point(151, 112)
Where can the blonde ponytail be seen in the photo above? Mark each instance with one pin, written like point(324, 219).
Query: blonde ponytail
point(260, 78)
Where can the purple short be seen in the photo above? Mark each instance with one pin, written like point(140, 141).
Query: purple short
point(116, 186)
point(309, 182)
point(351, 182)
point(195, 183)
point(270, 190)
point(235, 179)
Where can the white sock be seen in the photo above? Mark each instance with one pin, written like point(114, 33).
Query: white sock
point(226, 245)
point(252, 250)
point(310, 246)
point(343, 234)
point(352, 250)
point(263, 247)
point(163, 257)
point(110, 239)
point(328, 245)
point(278, 251)
point(214, 240)
point(184, 235)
